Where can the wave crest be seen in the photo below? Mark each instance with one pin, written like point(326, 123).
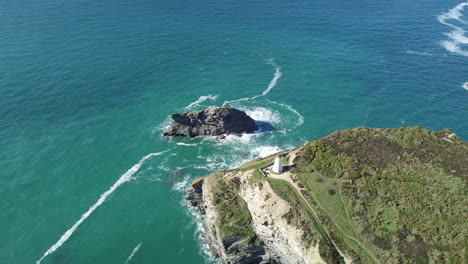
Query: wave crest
point(457, 38)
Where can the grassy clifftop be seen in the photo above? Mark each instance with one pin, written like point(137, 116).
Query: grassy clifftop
point(371, 195)
point(396, 194)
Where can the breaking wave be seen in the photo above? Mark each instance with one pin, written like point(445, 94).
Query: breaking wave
point(182, 185)
point(457, 38)
point(127, 176)
point(265, 151)
point(264, 114)
point(199, 231)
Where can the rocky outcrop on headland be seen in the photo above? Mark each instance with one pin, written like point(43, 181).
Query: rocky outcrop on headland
point(234, 244)
point(195, 195)
point(211, 122)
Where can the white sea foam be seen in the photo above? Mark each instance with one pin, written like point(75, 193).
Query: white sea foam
point(300, 118)
point(265, 151)
point(457, 38)
point(240, 100)
point(164, 168)
point(134, 251)
point(200, 100)
point(454, 13)
point(244, 139)
point(465, 86)
point(162, 126)
point(214, 163)
point(186, 144)
point(127, 176)
point(181, 186)
point(419, 53)
point(199, 231)
point(264, 114)
point(277, 75)
point(454, 48)
point(154, 179)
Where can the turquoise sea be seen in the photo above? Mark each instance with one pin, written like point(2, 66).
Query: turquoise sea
point(86, 88)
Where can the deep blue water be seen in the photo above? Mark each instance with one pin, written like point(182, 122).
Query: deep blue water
point(86, 88)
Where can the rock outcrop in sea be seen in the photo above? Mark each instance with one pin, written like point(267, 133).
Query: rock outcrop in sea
point(211, 122)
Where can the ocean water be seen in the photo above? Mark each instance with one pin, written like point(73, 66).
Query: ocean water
point(87, 87)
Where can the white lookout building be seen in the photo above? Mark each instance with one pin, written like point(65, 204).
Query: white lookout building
point(277, 166)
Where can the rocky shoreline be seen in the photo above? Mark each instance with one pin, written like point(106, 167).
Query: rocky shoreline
point(195, 196)
point(230, 250)
point(273, 240)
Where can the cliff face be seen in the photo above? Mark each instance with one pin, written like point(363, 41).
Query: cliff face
point(360, 195)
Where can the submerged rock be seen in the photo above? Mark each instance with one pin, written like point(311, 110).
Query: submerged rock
point(211, 122)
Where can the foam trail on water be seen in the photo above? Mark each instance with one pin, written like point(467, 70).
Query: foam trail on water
point(186, 144)
point(200, 100)
point(419, 53)
point(271, 85)
point(127, 176)
point(134, 251)
point(457, 37)
point(240, 100)
point(276, 77)
point(300, 119)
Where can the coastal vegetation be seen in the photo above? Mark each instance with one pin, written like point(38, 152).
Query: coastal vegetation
point(400, 192)
point(236, 223)
point(364, 195)
point(302, 217)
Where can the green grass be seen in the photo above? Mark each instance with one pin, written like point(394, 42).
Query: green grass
point(232, 210)
point(288, 193)
point(396, 194)
point(400, 192)
point(261, 162)
point(302, 217)
point(325, 195)
point(258, 164)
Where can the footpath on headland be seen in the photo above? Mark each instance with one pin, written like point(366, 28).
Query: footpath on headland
point(286, 176)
